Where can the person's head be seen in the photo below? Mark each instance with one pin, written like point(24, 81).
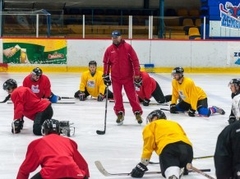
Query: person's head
point(36, 73)
point(234, 85)
point(9, 85)
point(155, 115)
point(177, 73)
point(50, 126)
point(92, 67)
point(116, 37)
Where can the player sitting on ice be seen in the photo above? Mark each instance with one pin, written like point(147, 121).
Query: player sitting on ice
point(168, 139)
point(92, 84)
point(40, 85)
point(26, 103)
point(58, 156)
point(191, 97)
point(147, 87)
point(234, 85)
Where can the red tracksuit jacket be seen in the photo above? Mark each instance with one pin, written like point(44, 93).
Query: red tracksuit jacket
point(58, 157)
point(148, 86)
point(26, 103)
point(42, 87)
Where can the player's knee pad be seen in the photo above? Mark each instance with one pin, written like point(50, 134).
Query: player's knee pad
point(204, 111)
point(170, 171)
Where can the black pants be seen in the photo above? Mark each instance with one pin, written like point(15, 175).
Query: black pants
point(158, 94)
point(175, 154)
point(186, 106)
point(110, 93)
point(40, 118)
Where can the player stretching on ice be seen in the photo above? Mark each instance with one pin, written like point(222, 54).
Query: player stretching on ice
point(147, 87)
point(121, 60)
point(92, 84)
point(191, 97)
point(40, 85)
point(26, 103)
point(234, 85)
point(169, 141)
point(58, 156)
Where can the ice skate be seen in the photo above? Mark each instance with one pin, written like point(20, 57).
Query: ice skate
point(138, 117)
point(120, 118)
point(66, 128)
point(219, 110)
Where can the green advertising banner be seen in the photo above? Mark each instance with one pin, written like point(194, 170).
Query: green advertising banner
point(35, 51)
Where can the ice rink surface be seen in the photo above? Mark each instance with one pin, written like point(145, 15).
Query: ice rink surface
point(120, 148)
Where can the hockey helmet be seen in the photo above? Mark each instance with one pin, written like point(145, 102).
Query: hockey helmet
point(50, 126)
point(9, 84)
point(156, 113)
point(234, 81)
point(178, 70)
point(92, 62)
point(37, 71)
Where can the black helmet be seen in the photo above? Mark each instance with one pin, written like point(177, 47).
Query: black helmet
point(234, 81)
point(156, 113)
point(37, 71)
point(50, 126)
point(178, 70)
point(93, 62)
point(9, 84)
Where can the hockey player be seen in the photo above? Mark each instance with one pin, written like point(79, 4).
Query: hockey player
point(147, 87)
point(190, 96)
point(234, 85)
point(121, 59)
point(40, 85)
point(169, 141)
point(92, 84)
point(227, 156)
point(26, 103)
point(58, 156)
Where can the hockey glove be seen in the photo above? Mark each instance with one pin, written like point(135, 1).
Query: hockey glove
point(100, 97)
point(138, 82)
point(191, 113)
point(173, 109)
point(107, 80)
point(17, 125)
point(146, 102)
point(81, 96)
point(231, 119)
point(54, 98)
point(139, 170)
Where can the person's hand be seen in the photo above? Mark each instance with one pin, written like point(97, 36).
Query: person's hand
point(17, 125)
point(173, 109)
point(106, 80)
point(81, 96)
point(191, 113)
point(100, 97)
point(231, 119)
point(146, 102)
point(139, 170)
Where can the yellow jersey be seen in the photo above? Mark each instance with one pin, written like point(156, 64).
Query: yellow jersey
point(187, 91)
point(93, 84)
point(159, 133)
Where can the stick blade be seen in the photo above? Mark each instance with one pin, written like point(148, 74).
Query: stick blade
point(101, 169)
point(100, 132)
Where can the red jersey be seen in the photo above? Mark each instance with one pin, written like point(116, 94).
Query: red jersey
point(58, 157)
point(148, 86)
point(42, 87)
point(26, 103)
point(123, 61)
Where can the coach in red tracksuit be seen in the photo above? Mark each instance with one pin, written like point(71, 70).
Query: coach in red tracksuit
point(121, 60)
point(148, 87)
point(26, 103)
point(58, 156)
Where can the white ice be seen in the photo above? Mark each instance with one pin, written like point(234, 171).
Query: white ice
point(120, 148)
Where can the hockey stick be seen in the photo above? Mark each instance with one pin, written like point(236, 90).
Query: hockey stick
point(65, 97)
point(150, 104)
point(99, 132)
point(6, 99)
point(106, 173)
point(190, 167)
point(195, 158)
